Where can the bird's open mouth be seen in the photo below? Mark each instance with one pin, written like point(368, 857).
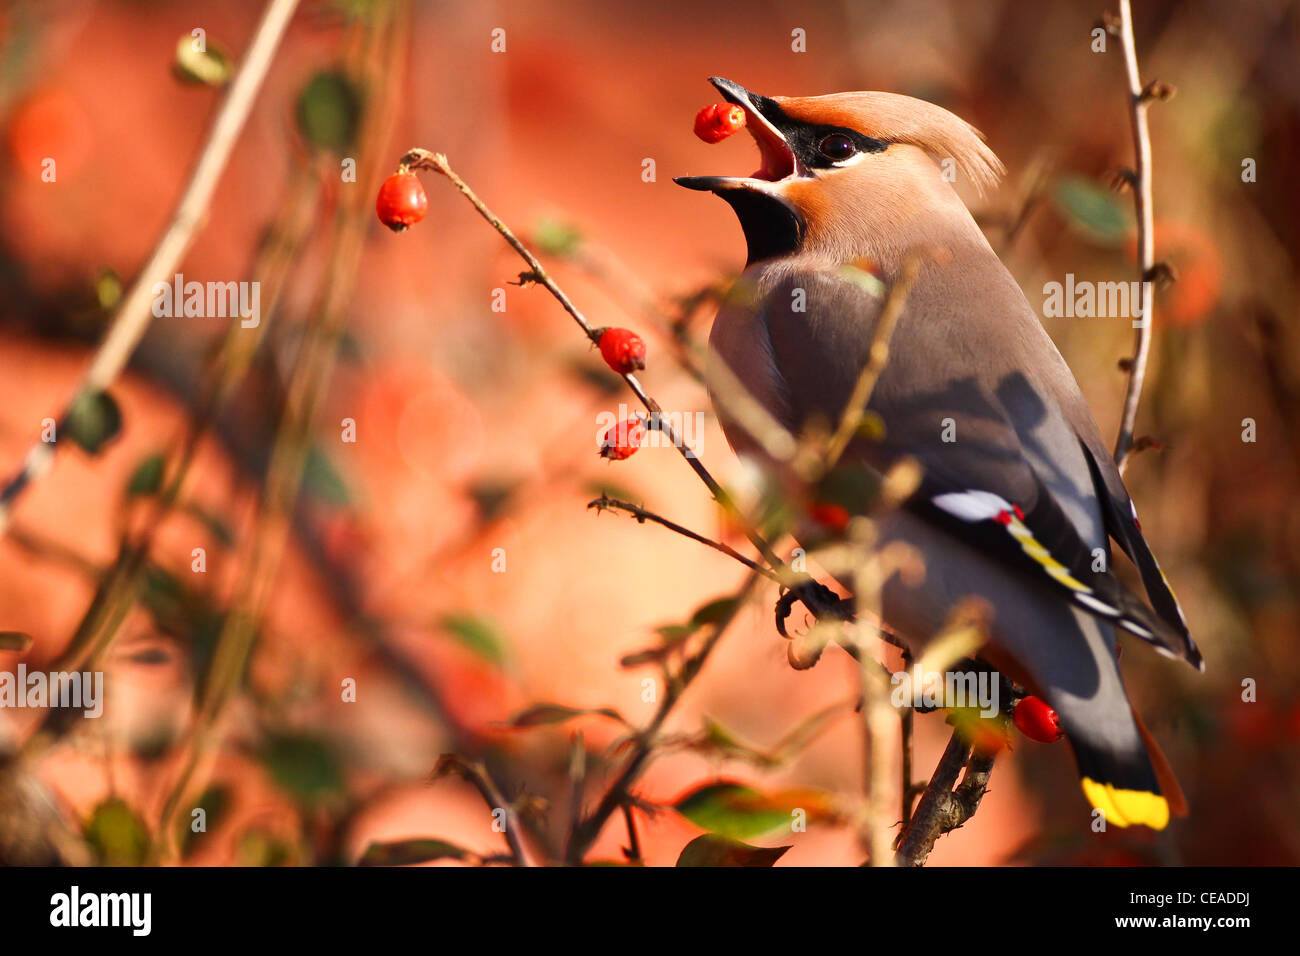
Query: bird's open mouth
point(779, 162)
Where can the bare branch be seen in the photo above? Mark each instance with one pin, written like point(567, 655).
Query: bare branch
point(1140, 98)
point(606, 503)
point(135, 313)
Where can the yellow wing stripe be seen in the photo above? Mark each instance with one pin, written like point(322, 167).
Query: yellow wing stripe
point(1127, 807)
point(1029, 544)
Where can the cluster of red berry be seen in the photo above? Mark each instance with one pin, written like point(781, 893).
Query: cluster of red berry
point(624, 352)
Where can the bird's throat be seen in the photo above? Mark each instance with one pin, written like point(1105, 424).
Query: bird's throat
point(772, 229)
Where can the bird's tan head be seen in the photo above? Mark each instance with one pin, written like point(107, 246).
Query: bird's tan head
point(839, 171)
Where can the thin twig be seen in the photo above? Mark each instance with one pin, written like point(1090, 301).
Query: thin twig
point(877, 357)
point(908, 788)
point(135, 313)
point(476, 774)
point(633, 851)
point(878, 714)
point(606, 503)
point(577, 781)
point(1139, 101)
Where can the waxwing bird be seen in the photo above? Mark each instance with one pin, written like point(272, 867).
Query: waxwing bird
point(1019, 495)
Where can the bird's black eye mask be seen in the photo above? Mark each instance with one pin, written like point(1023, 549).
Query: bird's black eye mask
point(816, 146)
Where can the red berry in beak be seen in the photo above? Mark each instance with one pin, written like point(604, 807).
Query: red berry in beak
point(715, 123)
point(402, 202)
point(622, 350)
point(1037, 721)
point(622, 440)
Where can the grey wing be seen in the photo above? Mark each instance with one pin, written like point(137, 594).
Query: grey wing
point(1004, 471)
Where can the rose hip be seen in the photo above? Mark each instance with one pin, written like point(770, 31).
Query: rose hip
point(715, 123)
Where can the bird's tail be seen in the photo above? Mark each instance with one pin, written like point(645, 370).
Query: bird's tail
point(1123, 772)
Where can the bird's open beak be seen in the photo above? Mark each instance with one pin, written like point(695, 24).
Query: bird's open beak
point(778, 159)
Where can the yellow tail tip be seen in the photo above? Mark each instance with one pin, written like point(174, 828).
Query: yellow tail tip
point(1127, 807)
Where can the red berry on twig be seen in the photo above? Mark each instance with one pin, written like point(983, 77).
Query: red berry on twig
point(715, 123)
point(829, 515)
point(1037, 720)
point(622, 440)
point(623, 350)
point(401, 201)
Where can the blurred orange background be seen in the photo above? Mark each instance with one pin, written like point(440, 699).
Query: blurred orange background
point(476, 428)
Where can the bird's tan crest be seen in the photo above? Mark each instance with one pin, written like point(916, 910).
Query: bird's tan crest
point(896, 118)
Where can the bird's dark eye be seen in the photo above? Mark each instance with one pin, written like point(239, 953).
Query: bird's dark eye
point(836, 147)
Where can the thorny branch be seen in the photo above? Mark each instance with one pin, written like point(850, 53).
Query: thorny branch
point(606, 503)
point(1140, 98)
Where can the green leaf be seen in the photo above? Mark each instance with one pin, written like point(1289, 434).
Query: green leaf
point(322, 481)
point(1094, 211)
point(556, 238)
point(188, 615)
point(93, 420)
point(15, 641)
point(403, 852)
point(329, 111)
point(355, 8)
point(147, 477)
point(211, 66)
point(260, 848)
point(305, 765)
point(673, 634)
point(108, 290)
point(117, 837)
point(852, 487)
point(732, 810)
point(479, 635)
point(714, 612)
point(539, 715)
point(712, 850)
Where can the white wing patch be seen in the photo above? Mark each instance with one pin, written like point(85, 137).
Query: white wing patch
point(972, 505)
